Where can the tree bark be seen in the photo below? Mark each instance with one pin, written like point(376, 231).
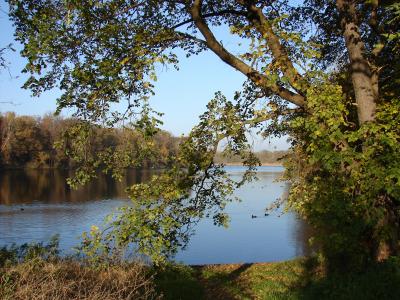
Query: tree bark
point(361, 73)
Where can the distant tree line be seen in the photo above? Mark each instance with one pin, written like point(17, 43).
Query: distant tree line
point(28, 142)
point(266, 157)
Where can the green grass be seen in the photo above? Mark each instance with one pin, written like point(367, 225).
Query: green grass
point(296, 279)
point(35, 271)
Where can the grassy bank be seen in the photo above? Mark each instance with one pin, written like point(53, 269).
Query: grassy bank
point(295, 279)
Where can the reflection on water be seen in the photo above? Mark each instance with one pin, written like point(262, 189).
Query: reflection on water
point(49, 186)
point(34, 205)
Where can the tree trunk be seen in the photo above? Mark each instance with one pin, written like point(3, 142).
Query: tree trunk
point(391, 245)
point(361, 74)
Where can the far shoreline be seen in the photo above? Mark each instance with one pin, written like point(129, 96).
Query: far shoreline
point(262, 165)
point(51, 168)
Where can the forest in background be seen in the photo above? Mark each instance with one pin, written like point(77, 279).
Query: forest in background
point(28, 142)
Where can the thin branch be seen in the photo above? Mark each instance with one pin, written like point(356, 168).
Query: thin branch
point(271, 114)
point(214, 14)
point(191, 37)
point(10, 103)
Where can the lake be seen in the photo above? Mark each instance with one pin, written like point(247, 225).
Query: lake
point(36, 204)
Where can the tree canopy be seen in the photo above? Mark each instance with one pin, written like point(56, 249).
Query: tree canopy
point(325, 72)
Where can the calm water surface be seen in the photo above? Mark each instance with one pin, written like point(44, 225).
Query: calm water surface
point(36, 204)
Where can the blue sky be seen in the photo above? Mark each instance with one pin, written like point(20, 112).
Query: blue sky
point(181, 95)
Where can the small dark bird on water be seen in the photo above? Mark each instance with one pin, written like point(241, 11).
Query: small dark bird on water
point(22, 208)
point(253, 216)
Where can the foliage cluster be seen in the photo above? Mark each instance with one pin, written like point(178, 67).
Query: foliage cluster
point(3, 51)
point(165, 209)
point(345, 180)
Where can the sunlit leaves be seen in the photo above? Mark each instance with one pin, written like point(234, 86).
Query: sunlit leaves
point(345, 180)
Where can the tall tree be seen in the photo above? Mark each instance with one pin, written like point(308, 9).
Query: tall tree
point(317, 70)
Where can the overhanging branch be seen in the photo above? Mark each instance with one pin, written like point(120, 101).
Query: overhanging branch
point(258, 78)
point(263, 26)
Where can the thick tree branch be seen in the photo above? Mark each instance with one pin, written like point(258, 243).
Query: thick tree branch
point(263, 26)
point(236, 63)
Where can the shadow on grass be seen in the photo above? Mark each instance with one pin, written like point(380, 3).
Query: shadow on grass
point(201, 282)
point(296, 279)
point(178, 282)
point(379, 281)
point(225, 281)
